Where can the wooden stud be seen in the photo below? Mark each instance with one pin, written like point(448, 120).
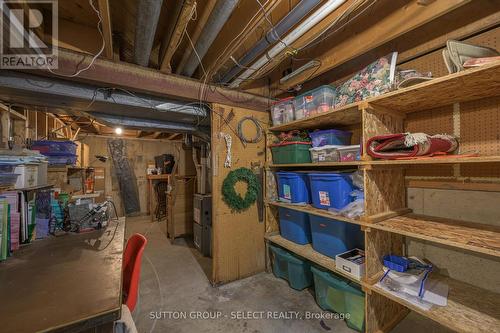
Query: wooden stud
point(173, 43)
point(107, 29)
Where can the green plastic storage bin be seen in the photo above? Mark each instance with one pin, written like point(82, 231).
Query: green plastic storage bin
point(330, 290)
point(334, 293)
point(291, 152)
point(355, 306)
point(291, 268)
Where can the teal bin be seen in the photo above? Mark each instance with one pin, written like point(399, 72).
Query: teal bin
point(291, 268)
point(334, 293)
point(355, 306)
point(329, 290)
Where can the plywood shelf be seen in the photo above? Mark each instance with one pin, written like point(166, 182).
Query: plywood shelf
point(420, 161)
point(347, 115)
point(315, 211)
point(468, 85)
point(465, 235)
point(470, 309)
point(307, 252)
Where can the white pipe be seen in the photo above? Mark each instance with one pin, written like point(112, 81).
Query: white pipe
point(310, 22)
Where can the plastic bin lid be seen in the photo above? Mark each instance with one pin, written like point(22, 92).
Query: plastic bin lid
point(286, 255)
point(332, 278)
point(328, 147)
point(286, 99)
point(328, 131)
point(286, 143)
point(349, 147)
point(47, 142)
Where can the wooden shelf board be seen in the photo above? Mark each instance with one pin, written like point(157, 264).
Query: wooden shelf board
point(318, 212)
point(470, 309)
point(307, 252)
point(468, 85)
point(420, 161)
point(343, 116)
point(465, 235)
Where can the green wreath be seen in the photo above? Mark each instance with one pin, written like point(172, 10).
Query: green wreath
point(232, 198)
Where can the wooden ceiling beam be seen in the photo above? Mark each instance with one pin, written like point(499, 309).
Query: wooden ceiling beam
point(157, 135)
point(171, 44)
point(139, 79)
point(107, 30)
point(389, 27)
point(172, 136)
point(202, 20)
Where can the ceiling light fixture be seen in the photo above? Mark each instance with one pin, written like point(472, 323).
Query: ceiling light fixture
point(118, 130)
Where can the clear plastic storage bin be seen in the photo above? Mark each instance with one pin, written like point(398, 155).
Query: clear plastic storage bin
point(324, 98)
point(324, 154)
point(282, 111)
point(304, 106)
point(349, 153)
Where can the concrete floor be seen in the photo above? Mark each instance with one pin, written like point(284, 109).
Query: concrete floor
point(174, 284)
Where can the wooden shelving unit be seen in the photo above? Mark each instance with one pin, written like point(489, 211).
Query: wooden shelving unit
point(307, 252)
point(387, 222)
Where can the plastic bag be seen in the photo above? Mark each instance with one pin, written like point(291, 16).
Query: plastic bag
point(358, 179)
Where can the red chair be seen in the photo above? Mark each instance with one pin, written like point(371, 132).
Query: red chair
point(132, 269)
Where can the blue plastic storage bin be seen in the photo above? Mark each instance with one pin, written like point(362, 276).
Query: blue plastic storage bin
point(295, 270)
point(330, 190)
point(294, 226)
point(331, 237)
point(293, 187)
point(62, 159)
point(330, 137)
point(47, 147)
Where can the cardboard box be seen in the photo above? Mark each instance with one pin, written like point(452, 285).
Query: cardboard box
point(351, 262)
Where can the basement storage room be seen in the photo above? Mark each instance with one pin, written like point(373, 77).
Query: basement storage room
point(250, 166)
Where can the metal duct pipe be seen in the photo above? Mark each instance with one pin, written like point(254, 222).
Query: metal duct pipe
point(148, 14)
point(303, 27)
point(220, 14)
point(296, 15)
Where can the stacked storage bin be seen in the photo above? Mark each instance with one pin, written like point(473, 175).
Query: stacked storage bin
point(295, 270)
point(58, 152)
point(294, 226)
point(293, 187)
point(337, 294)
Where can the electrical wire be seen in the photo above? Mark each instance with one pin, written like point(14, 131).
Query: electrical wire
point(97, 55)
point(258, 127)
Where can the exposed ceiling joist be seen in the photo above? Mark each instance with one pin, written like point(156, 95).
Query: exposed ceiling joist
point(157, 135)
point(387, 28)
point(173, 136)
point(148, 14)
point(215, 59)
point(200, 24)
point(107, 30)
point(171, 44)
point(135, 78)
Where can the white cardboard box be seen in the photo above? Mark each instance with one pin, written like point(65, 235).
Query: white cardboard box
point(351, 262)
point(28, 175)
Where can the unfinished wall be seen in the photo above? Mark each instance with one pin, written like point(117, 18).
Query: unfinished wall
point(140, 152)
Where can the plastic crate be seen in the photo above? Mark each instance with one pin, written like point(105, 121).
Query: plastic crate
point(329, 290)
point(7, 168)
point(324, 154)
point(291, 152)
point(282, 112)
point(331, 237)
point(330, 137)
point(295, 270)
point(323, 98)
point(294, 226)
point(330, 190)
point(349, 153)
point(47, 147)
point(293, 187)
point(62, 159)
point(304, 106)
